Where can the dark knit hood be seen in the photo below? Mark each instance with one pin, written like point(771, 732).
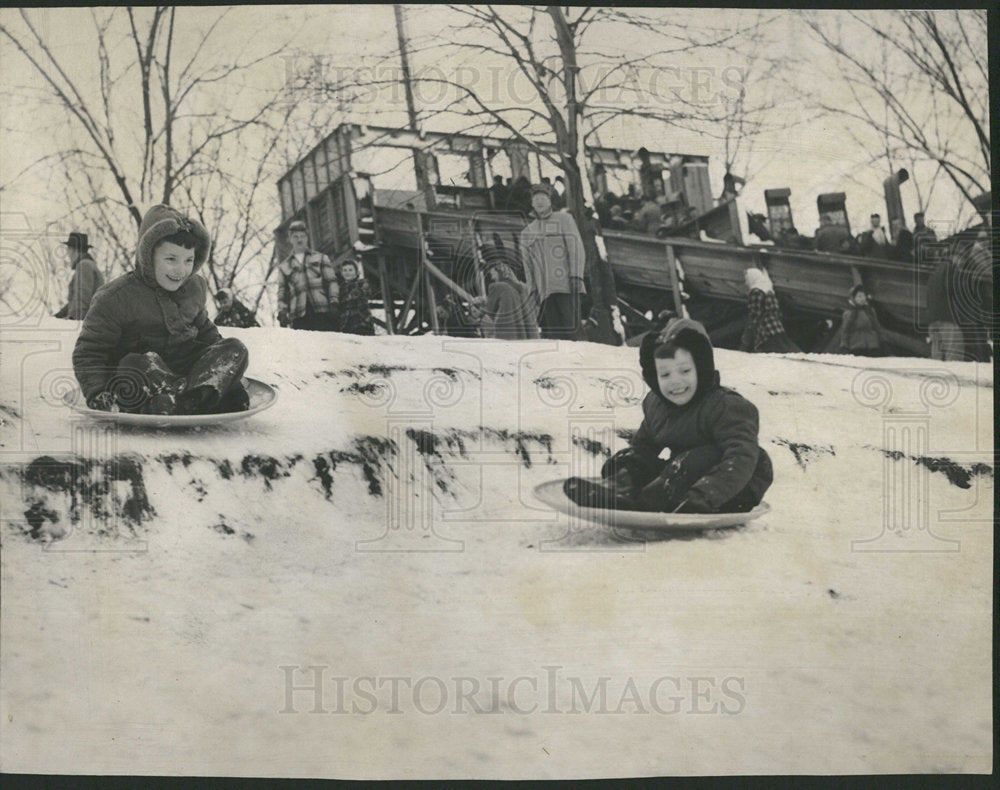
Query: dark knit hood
point(162, 221)
point(691, 336)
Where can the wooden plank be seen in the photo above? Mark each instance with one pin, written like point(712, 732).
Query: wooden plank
point(458, 289)
point(432, 303)
point(409, 300)
point(674, 284)
point(387, 300)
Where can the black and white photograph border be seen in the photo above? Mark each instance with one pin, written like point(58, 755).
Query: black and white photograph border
point(476, 410)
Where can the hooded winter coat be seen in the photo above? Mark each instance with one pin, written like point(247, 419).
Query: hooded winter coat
point(134, 314)
point(715, 416)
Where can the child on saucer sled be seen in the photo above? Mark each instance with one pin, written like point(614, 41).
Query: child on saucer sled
point(715, 465)
point(147, 345)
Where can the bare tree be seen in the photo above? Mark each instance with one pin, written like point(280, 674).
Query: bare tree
point(579, 78)
point(201, 111)
point(923, 91)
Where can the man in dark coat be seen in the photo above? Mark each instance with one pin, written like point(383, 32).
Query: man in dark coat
point(232, 312)
point(832, 237)
point(873, 242)
point(902, 242)
point(85, 281)
point(499, 193)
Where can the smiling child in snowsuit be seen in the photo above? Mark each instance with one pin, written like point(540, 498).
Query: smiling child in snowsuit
point(715, 466)
point(860, 332)
point(147, 344)
point(355, 315)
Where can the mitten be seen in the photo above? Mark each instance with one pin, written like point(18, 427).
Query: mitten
point(103, 401)
point(641, 467)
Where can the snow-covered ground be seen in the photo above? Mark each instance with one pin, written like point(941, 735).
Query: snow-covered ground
point(359, 583)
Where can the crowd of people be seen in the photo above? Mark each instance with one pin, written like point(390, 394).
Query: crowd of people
point(151, 322)
point(899, 244)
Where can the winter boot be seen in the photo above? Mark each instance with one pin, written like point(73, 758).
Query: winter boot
point(667, 492)
point(142, 377)
point(603, 494)
point(217, 371)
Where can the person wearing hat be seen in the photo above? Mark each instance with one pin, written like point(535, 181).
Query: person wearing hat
point(308, 293)
point(85, 281)
point(147, 345)
point(554, 264)
point(232, 312)
point(860, 331)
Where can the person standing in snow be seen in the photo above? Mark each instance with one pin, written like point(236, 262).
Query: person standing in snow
point(716, 464)
point(554, 261)
point(147, 344)
point(308, 294)
point(85, 281)
point(355, 314)
point(232, 312)
point(860, 332)
point(508, 312)
point(764, 331)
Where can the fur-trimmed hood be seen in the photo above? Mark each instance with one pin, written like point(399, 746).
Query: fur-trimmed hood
point(691, 336)
point(158, 223)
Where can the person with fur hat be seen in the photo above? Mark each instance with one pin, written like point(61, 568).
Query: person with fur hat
point(764, 331)
point(554, 261)
point(355, 314)
point(860, 331)
point(85, 281)
point(147, 344)
point(308, 292)
point(716, 464)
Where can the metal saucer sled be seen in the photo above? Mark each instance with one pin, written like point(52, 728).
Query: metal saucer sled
point(262, 396)
point(551, 493)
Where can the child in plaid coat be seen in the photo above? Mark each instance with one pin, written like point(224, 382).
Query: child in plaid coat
point(764, 331)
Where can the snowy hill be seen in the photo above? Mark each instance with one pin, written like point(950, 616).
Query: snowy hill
point(238, 600)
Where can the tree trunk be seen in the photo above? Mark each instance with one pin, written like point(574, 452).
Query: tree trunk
point(601, 280)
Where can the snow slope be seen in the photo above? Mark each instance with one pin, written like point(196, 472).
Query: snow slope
point(185, 602)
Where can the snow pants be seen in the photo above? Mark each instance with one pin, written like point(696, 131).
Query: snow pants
point(632, 489)
point(143, 384)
